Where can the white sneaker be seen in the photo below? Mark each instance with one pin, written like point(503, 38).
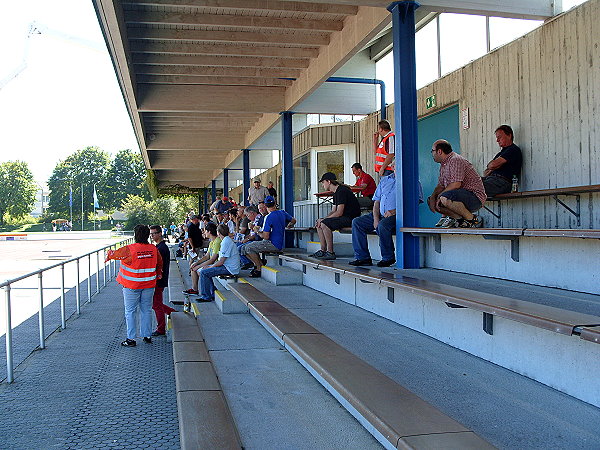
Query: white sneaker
point(441, 221)
point(448, 222)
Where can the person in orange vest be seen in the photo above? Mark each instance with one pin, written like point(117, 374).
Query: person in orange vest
point(141, 266)
point(384, 148)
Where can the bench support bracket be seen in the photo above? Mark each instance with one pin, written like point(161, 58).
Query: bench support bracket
point(337, 278)
point(497, 216)
point(576, 212)
point(514, 244)
point(390, 294)
point(488, 323)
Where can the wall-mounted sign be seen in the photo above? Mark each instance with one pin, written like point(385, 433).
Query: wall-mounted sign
point(465, 118)
point(430, 102)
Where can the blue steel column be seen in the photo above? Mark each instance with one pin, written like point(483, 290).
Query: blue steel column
point(206, 205)
point(214, 190)
point(246, 174)
point(287, 169)
point(405, 121)
point(225, 182)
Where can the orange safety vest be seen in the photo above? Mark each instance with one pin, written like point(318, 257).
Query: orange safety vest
point(141, 272)
point(381, 153)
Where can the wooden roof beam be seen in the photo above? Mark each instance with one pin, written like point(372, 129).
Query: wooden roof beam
point(220, 61)
point(224, 81)
point(252, 5)
point(209, 142)
point(220, 49)
point(235, 37)
point(202, 115)
point(221, 20)
point(257, 72)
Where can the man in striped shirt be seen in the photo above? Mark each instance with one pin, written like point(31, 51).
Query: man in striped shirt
point(459, 192)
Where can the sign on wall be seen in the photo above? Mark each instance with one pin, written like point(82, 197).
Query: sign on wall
point(430, 102)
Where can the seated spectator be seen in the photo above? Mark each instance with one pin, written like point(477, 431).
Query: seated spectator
point(227, 264)
point(459, 192)
point(382, 220)
point(262, 209)
point(498, 175)
point(223, 205)
point(364, 181)
point(227, 220)
point(213, 205)
point(255, 223)
point(345, 208)
point(210, 232)
point(273, 235)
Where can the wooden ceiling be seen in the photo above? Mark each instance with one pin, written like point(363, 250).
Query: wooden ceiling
point(203, 79)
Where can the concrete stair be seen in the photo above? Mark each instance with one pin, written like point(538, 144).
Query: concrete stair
point(228, 303)
point(281, 275)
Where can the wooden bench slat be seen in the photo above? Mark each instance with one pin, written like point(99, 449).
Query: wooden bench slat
point(196, 376)
point(205, 421)
point(270, 308)
point(283, 325)
point(572, 233)
point(190, 351)
point(548, 192)
point(185, 328)
point(477, 231)
point(447, 441)
point(591, 334)
point(248, 293)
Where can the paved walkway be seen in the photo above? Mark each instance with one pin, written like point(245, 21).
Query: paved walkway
point(86, 391)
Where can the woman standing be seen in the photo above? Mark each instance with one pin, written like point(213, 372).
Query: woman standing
point(141, 266)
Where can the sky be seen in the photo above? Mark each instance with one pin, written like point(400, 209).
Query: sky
point(67, 97)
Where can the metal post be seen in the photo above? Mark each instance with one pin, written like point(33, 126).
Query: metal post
point(214, 190)
point(226, 182)
point(89, 278)
point(246, 174)
point(97, 272)
point(355, 80)
point(63, 313)
point(103, 273)
point(41, 312)
point(206, 205)
point(405, 93)
point(287, 169)
point(9, 348)
point(77, 291)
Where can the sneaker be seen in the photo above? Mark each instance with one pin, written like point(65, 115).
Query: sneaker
point(328, 256)
point(156, 333)
point(190, 292)
point(449, 222)
point(318, 254)
point(128, 343)
point(476, 222)
point(361, 262)
point(202, 299)
point(247, 266)
point(386, 262)
point(148, 340)
point(441, 221)
point(255, 273)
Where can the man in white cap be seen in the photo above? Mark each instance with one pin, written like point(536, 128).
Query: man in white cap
point(257, 193)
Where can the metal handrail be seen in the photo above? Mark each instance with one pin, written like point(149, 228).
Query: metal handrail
point(39, 272)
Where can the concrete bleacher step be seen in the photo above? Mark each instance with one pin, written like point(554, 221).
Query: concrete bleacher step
point(228, 303)
point(281, 275)
point(340, 248)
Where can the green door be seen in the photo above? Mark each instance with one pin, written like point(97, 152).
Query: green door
point(441, 125)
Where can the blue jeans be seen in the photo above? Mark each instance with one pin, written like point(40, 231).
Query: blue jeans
point(243, 258)
point(363, 225)
point(132, 299)
point(207, 287)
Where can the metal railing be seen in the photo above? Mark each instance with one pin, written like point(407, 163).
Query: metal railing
point(40, 273)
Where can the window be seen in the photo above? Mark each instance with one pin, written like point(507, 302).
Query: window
point(503, 31)
point(426, 48)
point(462, 39)
point(331, 161)
point(302, 177)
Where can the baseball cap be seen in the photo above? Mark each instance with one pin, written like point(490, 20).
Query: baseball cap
point(269, 200)
point(257, 180)
point(330, 176)
point(225, 198)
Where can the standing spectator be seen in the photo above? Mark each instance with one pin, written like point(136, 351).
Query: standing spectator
point(459, 192)
point(272, 191)
point(273, 235)
point(227, 264)
point(384, 148)
point(165, 232)
point(499, 173)
point(257, 193)
point(364, 181)
point(160, 309)
point(213, 205)
point(382, 220)
point(345, 208)
point(141, 266)
point(173, 228)
point(194, 234)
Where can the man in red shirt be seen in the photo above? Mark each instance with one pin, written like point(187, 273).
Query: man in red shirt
point(364, 181)
point(459, 192)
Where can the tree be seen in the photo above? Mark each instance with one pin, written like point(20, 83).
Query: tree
point(85, 169)
point(138, 211)
point(126, 176)
point(164, 210)
point(17, 189)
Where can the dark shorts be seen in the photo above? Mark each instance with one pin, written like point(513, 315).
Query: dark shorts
point(467, 198)
point(495, 184)
point(337, 223)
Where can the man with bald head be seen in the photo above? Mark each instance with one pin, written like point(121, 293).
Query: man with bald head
point(459, 192)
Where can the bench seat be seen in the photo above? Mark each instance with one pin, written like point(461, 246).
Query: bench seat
point(475, 231)
point(573, 190)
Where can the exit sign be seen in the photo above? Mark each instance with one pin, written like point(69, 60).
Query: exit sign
point(430, 102)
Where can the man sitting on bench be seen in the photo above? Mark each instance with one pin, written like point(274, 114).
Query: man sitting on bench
point(499, 173)
point(382, 220)
point(273, 235)
point(210, 233)
point(227, 264)
point(459, 192)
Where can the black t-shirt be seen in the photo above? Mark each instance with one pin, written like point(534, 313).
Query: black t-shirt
point(195, 234)
point(514, 159)
point(272, 192)
point(165, 254)
point(344, 196)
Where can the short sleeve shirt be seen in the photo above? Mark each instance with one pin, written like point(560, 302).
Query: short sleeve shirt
point(163, 249)
point(257, 195)
point(195, 234)
point(214, 246)
point(344, 196)
point(275, 223)
point(514, 159)
point(230, 252)
point(458, 169)
point(367, 179)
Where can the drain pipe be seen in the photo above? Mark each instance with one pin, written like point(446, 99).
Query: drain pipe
point(359, 81)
